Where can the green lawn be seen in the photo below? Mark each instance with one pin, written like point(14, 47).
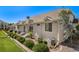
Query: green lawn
point(7, 45)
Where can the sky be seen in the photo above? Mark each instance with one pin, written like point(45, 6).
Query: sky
point(13, 14)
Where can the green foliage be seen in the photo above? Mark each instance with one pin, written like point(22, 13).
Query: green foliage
point(40, 47)
point(77, 27)
point(40, 40)
point(11, 30)
point(15, 36)
point(30, 33)
point(65, 15)
point(29, 43)
point(7, 45)
point(45, 42)
point(21, 39)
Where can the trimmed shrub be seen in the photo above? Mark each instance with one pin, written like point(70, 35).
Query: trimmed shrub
point(21, 39)
point(40, 47)
point(9, 33)
point(12, 35)
point(15, 31)
point(11, 30)
point(77, 27)
point(40, 40)
point(15, 36)
point(29, 43)
point(30, 34)
point(45, 42)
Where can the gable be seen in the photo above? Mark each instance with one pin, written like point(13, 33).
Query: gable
point(48, 18)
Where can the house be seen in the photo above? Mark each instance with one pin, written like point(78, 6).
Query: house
point(3, 25)
point(12, 27)
point(49, 26)
point(22, 27)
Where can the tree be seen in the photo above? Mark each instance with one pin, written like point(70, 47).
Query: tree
point(64, 15)
point(77, 27)
point(28, 17)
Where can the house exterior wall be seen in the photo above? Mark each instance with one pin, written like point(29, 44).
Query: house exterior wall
point(37, 30)
point(26, 28)
point(61, 33)
point(46, 35)
point(20, 28)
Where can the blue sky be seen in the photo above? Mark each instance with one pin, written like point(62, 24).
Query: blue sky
point(15, 13)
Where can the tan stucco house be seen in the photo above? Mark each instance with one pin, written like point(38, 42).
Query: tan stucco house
point(49, 26)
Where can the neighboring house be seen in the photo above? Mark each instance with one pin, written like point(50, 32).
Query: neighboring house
point(3, 25)
point(12, 27)
point(49, 26)
point(22, 27)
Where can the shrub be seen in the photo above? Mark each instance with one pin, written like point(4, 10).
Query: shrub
point(40, 47)
point(77, 27)
point(11, 30)
point(15, 36)
point(40, 40)
point(15, 31)
point(21, 39)
point(30, 34)
point(12, 35)
point(9, 33)
point(45, 42)
point(29, 43)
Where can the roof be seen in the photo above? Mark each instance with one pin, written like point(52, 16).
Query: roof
point(41, 18)
point(54, 15)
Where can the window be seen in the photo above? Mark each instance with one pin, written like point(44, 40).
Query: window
point(48, 27)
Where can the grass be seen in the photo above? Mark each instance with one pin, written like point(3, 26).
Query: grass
point(7, 45)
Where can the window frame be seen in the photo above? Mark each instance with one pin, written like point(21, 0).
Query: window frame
point(48, 27)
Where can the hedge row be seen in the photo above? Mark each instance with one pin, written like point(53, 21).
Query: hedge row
point(28, 43)
point(17, 37)
point(40, 47)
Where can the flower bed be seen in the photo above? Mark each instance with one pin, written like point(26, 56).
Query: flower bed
point(40, 47)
